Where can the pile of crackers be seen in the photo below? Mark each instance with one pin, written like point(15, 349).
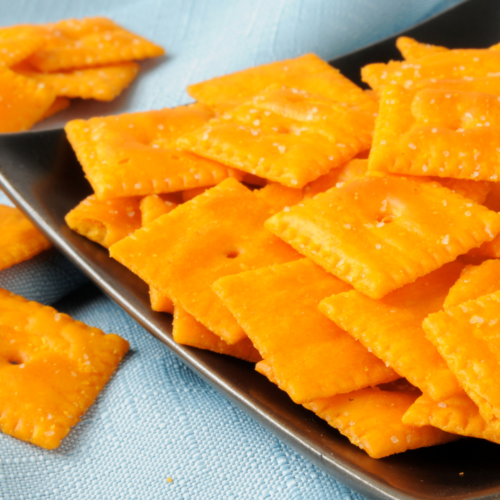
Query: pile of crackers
point(343, 240)
point(43, 66)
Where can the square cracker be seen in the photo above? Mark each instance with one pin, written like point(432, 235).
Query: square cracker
point(93, 41)
point(102, 84)
point(412, 50)
point(51, 369)
point(188, 331)
point(307, 72)
point(391, 328)
point(183, 253)
point(467, 337)
point(284, 135)
point(105, 222)
point(458, 415)
point(438, 65)
point(132, 154)
point(24, 101)
point(380, 233)
point(474, 282)
point(20, 239)
point(320, 363)
point(444, 132)
point(371, 419)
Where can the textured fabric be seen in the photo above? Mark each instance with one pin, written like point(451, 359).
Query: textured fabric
point(156, 419)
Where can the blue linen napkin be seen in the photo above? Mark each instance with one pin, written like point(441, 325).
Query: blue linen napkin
point(156, 419)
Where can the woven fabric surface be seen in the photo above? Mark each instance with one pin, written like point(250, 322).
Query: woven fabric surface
point(156, 419)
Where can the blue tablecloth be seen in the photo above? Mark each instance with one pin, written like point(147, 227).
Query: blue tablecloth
point(157, 420)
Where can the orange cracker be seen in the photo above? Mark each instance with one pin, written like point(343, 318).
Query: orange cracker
point(189, 194)
point(307, 72)
point(20, 239)
point(51, 370)
point(59, 104)
point(448, 64)
point(353, 169)
point(437, 132)
point(474, 282)
point(371, 419)
point(105, 222)
point(380, 233)
point(275, 306)
point(90, 42)
point(132, 154)
point(102, 84)
point(160, 302)
point(264, 368)
point(188, 331)
point(24, 101)
point(182, 253)
point(412, 50)
point(391, 328)
point(284, 135)
point(279, 196)
point(18, 42)
point(467, 337)
point(155, 205)
point(458, 415)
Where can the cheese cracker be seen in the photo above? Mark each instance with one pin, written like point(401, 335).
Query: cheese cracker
point(391, 328)
point(371, 419)
point(188, 331)
point(51, 369)
point(380, 233)
point(132, 154)
point(105, 222)
point(311, 357)
point(467, 337)
point(20, 239)
point(183, 253)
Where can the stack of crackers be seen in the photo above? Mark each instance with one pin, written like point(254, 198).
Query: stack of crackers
point(43, 66)
point(343, 240)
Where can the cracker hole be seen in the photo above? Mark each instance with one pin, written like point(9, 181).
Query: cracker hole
point(385, 218)
point(125, 160)
point(15, 362)
point(232, 255)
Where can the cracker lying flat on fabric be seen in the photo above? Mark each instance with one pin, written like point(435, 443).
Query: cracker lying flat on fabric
point(380, 233)
point(183, 253)
point(467, 337)
point(51, 369)
point(105, 222)
point(391, 328)
point(93, 41)
point(284, 135)
point(188, 331)
point(20, 239)
point(277, 307)
point(122, 156)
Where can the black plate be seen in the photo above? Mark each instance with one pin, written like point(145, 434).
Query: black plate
point(41, 174)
